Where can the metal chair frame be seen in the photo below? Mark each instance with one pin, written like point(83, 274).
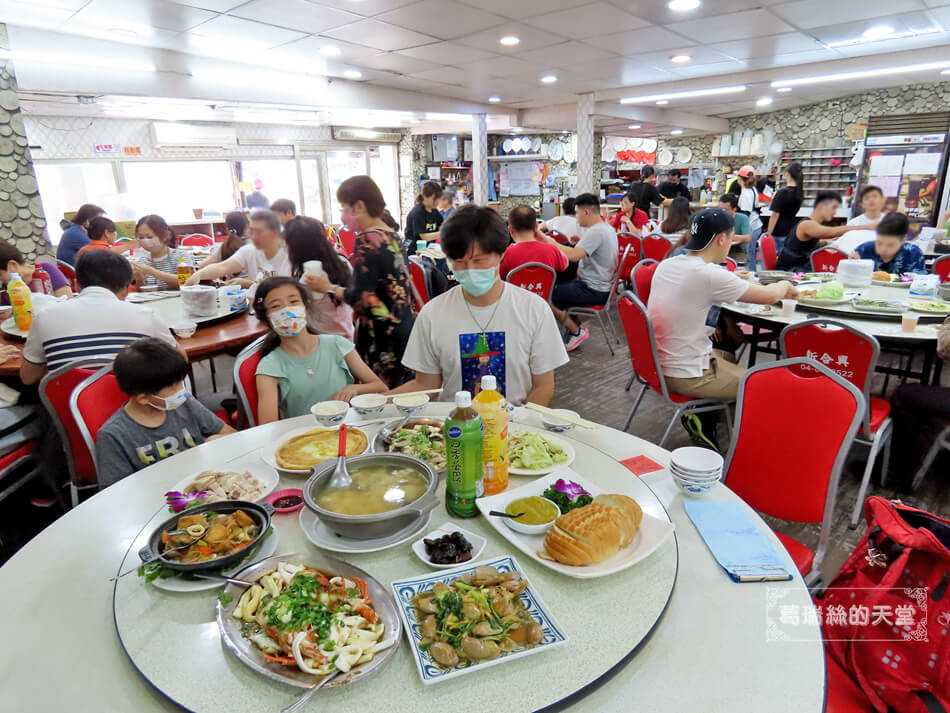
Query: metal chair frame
point(87, 436)
point(603, 313)
point(941, 442)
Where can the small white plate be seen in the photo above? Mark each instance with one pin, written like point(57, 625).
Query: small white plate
point(177, 584)
point(269, 453)
point(664, 157)
point(506, 145)
point(556, 150)
point(649, 145)
point(913, 308)
point(477, 541)
point(253, 465)
point(325, 538)
point(568, 449)
point(684, 154)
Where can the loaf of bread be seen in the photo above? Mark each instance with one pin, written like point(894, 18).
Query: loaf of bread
point(594, 532)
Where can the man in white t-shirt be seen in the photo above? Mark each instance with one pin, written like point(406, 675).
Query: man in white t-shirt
point(483, 326)
point(266, 256)
point(871, 199)
point(565, 224)
point(685, 298)
point(597, 253)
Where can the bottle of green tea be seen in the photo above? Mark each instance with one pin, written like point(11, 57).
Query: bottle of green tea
point(464, 433)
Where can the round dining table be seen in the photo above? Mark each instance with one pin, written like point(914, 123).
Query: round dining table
point(73, 644)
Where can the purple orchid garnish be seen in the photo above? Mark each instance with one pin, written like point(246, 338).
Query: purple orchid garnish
point(180, 501)
point(570, 489)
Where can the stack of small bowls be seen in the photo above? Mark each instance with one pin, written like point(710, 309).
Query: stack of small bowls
point(695, 470)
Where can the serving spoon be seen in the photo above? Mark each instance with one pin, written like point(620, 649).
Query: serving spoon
point(341, 477)
point(157, 557)
point(300, 702)
point(497, 513)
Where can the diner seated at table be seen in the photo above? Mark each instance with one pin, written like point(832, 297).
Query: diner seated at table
point(484, 326)
point(12, 261)
point(686, 297)
point(890, 251)
point(742, 233)
point(75, 236)
point(676, 221)
point(236, 223)
point(95, 325)
point(565, 223)
point(523, 228)
point(299, 367)
point(159, 267)
point(103, 235)
point(306, 240)
point(596, 253)
point(285, 209)
point(160, 419)
point(813, 232)
point(629, 219)
point(266, 256)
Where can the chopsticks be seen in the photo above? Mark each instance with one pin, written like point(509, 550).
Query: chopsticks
point(416, 393)
point(577, 421)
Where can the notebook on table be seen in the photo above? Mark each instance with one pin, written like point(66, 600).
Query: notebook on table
point(736, 542)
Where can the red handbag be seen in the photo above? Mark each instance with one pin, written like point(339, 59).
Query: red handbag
point(886, 615)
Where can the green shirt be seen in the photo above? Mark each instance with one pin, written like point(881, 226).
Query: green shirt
point(304, 381)
point(742, 224)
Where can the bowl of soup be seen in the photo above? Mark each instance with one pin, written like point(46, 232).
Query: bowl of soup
point(390, 491)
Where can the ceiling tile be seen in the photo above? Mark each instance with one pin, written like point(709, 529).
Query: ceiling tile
point(441, 18)
point(401, 81)
point(213, 5)
point(506, 66)
point(155, 14)
point(647, 39)
point(445, 75)
point(447, 53)
point(367, 8)
point(735, 26)
point(531, 38)
point(586, 21)
point(709, 68)
point(817, 13)
point(623, 72)
point(908, 21)
point(312, 45)
point(227, 29)
point(768, 46)
point(936, 3)
point(565, 54)
point(392, 62)
point(28, 15)
point(699, 54)
point(374, 33)
point(660, 14)
point(787, 60)
point(294, 14)
point(887, 46)
point(520, 9)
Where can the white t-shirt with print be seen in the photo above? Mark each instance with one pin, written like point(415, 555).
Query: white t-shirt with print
point(257, 266)
point(683, 295)
point(521, 339)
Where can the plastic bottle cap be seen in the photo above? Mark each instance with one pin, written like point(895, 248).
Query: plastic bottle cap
point(463, 399)
point(489, 383)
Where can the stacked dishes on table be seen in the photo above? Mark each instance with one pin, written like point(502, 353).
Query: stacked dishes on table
point(695, 469)
point(767, 277)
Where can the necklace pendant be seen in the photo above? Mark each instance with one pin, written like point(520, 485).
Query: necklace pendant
point(310, 373)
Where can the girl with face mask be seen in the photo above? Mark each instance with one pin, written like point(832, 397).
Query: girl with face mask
point(301, 368)
point(159, 267)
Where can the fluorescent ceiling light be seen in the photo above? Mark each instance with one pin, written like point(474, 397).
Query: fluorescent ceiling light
point(330, 51)
point(509, 40)
point(680, 58)
point(878, 31)
point(549, 78)
point(676, 132)
point(877, 34)
point(783, 90)
point(683, 5)
point(687, 94)
point(634, 126)
point(353, 74)
point(861, 74)
point(763, 101)
point(494, 99)
point(663, 102)
point(78, 60)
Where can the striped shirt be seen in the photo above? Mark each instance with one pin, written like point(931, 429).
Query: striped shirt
point(95, 325)
point(168, 263)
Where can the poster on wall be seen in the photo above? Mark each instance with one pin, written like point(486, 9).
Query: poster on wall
point(521, 179)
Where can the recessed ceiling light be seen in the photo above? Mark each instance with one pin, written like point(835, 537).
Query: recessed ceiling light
point(861, 74)
point(680, 58)
point(676, 132)
point(330, 51)
point(763, 101)
point(510, 40)
point(549, 78)
point(494, 99)
point(353, 74)
point(784, 90)
point(663, 102)
point(683, 5)
point(877, 32)
point(684, 95)
point(634, 126)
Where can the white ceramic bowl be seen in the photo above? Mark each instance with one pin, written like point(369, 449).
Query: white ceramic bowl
point(330, 413)
point(478, 544)
point(694, 488)
point(183, 330)
point(531, 529)
point(411, 405)
point(693, 459)
point(714, 477)
point(556, 425)
point(368, 404)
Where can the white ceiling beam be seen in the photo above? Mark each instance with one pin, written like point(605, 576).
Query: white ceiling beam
point(564, 116)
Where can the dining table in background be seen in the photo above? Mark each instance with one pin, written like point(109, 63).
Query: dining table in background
point(710, 649)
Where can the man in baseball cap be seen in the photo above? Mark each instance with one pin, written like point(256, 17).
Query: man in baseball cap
point(685, 300)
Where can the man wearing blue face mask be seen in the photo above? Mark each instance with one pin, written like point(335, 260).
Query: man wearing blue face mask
point(159, 420)
point(483, 326)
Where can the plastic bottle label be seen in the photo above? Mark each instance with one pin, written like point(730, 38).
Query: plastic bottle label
point(455, 432)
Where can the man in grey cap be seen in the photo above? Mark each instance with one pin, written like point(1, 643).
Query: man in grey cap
point(685, 299)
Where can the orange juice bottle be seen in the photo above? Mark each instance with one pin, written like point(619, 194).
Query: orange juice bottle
point(185, 270)
point(21, 301)
point(493, 409)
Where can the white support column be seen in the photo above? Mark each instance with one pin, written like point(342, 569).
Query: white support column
point(585, 144)
point(480, 158)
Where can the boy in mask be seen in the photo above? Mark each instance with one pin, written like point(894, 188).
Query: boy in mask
point(483, 326)
point(159, 420)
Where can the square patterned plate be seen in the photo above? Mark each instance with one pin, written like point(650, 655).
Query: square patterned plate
point(406, 589)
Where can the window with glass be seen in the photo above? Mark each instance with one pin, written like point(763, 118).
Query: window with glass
point(384, 169)
point(340, 166)
point(66, 186)
point(174, 189)
point(278, 178)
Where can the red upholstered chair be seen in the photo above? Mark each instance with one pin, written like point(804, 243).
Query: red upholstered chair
point(942, 268)
point(69, 272)
point(642, 279)
point(418, 271)
point(646, 365)
point(784, 476)
point(767, 251)
point(93, 401)
point(853, 355)
point(635, 243)
point(656, 247)
point(559, 237)
point(730, 264)
point(826, 259)
point(602, 312)
point(844, 694)
point(197, 240)
point(21, 465)
point(245, 381)
point(347, 240)
point(535, 277)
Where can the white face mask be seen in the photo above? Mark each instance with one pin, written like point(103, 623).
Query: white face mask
point(170, 403)
point(150, 244)
point(289, 321)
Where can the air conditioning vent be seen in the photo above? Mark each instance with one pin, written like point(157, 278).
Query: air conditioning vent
point(172, 133)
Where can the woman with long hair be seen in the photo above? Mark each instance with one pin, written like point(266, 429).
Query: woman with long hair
point(300, 368)
point(785, 205)
point(306, 240)
point(677, 219)
point(160, 266)
point(237, 238)
point(379, 287)
point(424, 220)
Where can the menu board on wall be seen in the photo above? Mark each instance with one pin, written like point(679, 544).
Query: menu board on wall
point(520, 179)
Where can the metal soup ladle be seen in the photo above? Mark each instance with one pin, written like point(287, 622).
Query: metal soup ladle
point(341, 477)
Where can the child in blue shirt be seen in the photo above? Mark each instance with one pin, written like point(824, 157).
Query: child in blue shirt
point(891, 252)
